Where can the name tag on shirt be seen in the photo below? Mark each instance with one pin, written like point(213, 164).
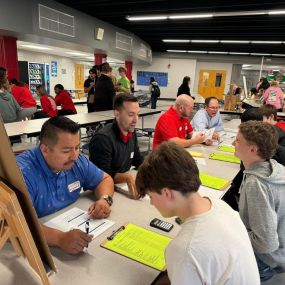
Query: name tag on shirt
point(132, 154)
point(73, 186)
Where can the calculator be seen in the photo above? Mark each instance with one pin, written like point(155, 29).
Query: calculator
point(159, 224)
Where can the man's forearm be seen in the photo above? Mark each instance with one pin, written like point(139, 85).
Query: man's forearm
point(52, 235)
point(106, 186)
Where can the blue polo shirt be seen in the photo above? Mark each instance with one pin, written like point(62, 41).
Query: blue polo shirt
point(51, 192)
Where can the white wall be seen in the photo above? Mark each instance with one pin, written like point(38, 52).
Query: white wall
point(214, 66)
point(67, 80)
point(177, 70)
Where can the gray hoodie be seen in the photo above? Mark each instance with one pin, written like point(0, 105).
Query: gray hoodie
point(9, 107)
point(262, 210)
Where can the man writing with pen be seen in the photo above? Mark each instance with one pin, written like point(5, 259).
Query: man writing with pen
point(55, 173)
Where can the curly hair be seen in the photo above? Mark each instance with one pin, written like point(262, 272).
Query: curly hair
point(261, 134)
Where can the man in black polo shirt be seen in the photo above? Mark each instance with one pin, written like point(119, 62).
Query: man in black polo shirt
point(89, 87)
point(115, 147)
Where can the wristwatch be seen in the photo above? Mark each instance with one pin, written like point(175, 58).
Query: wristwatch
point(108, 199)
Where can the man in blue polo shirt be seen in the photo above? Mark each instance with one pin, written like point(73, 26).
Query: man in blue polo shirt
point(55, 173)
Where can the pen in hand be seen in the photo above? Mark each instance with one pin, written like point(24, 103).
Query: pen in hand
point(87, 228)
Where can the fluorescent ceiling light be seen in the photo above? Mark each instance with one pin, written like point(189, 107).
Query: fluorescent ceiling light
point(276, 12)
point(278, 54)
point(76, 53)
point(190, 16)
point(36, 47)
point(176, 50)
point(266, 42)
point(261, 54)
point(147, 18)
point(204, 41)
point(239, 53)
point(246, 65)
point(234, 42)
point(218, 52)
point(176, 41)
point(197, 51)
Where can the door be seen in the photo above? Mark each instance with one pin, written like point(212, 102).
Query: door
point(212, 83)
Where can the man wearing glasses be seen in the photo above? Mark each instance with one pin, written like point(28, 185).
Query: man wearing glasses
point(209, 117)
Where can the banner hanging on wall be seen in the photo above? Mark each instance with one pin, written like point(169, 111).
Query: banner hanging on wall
point(160, 77)
point(54, 68)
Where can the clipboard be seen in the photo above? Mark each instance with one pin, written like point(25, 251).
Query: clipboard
point(214, 182)
point(226, 148)
point(139, 244)
point(225, 157)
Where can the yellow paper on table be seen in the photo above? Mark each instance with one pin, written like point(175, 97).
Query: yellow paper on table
point(196, 154)
point(226, 148)
point(139, 244)
point(213, 181)
point(225, 157)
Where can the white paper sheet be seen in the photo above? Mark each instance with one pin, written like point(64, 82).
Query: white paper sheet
point(76, 218)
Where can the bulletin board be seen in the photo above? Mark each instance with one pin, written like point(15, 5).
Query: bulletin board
point(160, 77)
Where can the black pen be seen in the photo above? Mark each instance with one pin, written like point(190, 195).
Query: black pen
point(87, 228)
point(115, 233)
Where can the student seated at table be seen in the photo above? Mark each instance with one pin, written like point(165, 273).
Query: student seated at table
point(64, 100)
point(213, 246)
point(209, 117)
point(175, 126)
point(55, 173)
point(49, 108)
point(270, 116)
point(115, 148)
point(253, 114)
point(262, 195)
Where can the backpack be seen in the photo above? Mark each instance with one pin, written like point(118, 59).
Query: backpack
point(155, 91)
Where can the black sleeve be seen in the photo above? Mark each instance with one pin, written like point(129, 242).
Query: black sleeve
point(86, 83)
point(100, 153)
point(138, 158)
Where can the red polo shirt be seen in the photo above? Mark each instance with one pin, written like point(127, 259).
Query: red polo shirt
point(23, 96)
point(64, 100)
point(170, 125)
point(281, 125)
point(49, 106)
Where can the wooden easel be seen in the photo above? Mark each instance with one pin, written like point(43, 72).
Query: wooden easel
point(13, 227)
point(19, 223)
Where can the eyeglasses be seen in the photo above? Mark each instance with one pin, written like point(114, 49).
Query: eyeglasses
point(214, 108)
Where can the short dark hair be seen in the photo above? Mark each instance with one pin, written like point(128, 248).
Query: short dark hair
point(256, 133)
point(151, 79)
point(186, 80)
point(169, 166)
point(55, 125)
point(208, 100)
point(3, 76)
point(105, 67)
point(121, 98)
point(267, 110)
point(251, 114)
point(59, 86)
point(92, 70)
point(122, 69)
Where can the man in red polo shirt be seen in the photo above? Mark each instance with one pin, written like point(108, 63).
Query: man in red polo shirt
point(175, 126)
point(64, 100)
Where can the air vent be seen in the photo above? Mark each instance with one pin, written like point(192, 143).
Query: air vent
point(124, 42)
point(55, 21)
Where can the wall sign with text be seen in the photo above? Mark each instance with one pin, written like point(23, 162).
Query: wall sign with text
point(160, 77)
point(54, 68)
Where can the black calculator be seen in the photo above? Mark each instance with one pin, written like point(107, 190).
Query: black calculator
point(159, 224)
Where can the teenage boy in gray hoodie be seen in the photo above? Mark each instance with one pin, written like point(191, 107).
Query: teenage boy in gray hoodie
point(262, 195)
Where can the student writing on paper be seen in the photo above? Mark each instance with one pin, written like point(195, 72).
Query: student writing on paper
point(205, 251)
point(55, 173)
point(262, 195)
point(115, 147)
point(209, 117)
point(175, 126)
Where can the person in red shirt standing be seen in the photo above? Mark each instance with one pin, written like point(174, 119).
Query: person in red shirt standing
point(64, 100)
point(23, 96)
point(49, 108)
point(175, 126)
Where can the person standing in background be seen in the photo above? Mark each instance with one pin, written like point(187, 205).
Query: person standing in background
point(64, 100)
point(184, 88)
point(89, 87)
point(274, 96)
point(154, 91)
point(123, 80)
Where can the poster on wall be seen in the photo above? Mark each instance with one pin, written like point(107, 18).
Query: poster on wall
point(160, 77)
point(54, 68)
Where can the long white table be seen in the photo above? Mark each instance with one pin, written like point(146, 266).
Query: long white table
point(33, 127)
point(100, 266)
